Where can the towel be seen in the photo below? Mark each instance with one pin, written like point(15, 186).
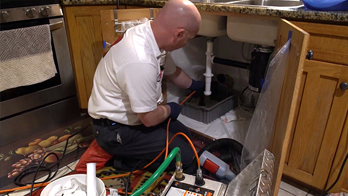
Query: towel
point(25, 57)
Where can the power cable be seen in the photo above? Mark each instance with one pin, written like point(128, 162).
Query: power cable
point(30, 170)
point(338, 176)
point(46, 181)
point(129, 176)
point(38, 168)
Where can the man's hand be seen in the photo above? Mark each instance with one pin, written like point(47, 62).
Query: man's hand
point(175, 110)
point(197, 86)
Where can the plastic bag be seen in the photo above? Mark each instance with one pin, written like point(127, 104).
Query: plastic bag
point(93, 154)
point(260, 130)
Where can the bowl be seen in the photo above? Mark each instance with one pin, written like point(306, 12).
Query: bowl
point(326, 5)
point(79, 177)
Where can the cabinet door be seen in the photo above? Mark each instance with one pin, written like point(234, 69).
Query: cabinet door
point(86, 46)
point(341, 153)
point(320, 122)
point(288, 98)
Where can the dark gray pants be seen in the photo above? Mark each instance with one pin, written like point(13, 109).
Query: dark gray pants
point(130, 144)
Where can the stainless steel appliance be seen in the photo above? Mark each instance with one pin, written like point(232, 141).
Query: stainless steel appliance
point(34, 109)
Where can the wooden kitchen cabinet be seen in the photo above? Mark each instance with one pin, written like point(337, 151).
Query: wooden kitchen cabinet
point(318, 141)
point(311, 124)
point(86, 45)
point(342, 150)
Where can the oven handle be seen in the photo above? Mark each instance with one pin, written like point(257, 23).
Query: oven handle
point(56, 25)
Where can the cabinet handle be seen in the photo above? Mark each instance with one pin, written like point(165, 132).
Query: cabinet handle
point(309, 55)
point(344, 86)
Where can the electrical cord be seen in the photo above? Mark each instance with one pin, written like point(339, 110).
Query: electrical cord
point(46, 181)
point(33, 181)
point(120, 175)
point(338, 176)
point(146, 166)
point(166, 154)
point(129, 176)
point(30, 170)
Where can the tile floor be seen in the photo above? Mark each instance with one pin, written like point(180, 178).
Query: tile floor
point(286, 188)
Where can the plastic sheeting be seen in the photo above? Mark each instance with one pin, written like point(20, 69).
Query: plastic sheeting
point(233, 124)
point(262, 122)
point(191, 59)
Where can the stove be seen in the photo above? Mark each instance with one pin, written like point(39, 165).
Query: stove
point(34, 109)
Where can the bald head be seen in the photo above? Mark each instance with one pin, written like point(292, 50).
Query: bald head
point(180, 13)
point(174, 16)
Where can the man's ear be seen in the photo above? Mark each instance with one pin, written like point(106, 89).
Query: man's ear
point(179, 34)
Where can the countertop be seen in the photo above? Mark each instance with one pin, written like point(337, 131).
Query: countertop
point(224, 9)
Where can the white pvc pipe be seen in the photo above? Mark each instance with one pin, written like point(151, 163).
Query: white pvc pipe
point(208, 74)
point(91, 179)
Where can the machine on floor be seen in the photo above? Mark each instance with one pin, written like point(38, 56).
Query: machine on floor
point(254, 180)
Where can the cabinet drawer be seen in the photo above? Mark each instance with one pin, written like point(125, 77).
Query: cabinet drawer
point(329, 43)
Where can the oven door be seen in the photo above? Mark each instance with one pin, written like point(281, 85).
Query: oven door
point(26, 98)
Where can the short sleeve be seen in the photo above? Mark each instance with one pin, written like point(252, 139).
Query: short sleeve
point(139, 81)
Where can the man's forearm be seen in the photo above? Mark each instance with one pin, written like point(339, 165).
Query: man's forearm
point(180, 78)
point(156, 116)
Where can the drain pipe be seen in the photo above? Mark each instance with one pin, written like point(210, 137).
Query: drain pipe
point(208, 73)
point(228, 62)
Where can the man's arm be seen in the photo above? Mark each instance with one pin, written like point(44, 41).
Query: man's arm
point(156, 116)
point(180, 78)
point(161, 113)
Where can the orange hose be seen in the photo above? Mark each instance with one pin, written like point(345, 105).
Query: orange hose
point(126, 174)
point(167, 145)
point(117, 176)
point(119, 191)
point(179, 133)
point(183, 101)
point(165, 156)
point(24, 187)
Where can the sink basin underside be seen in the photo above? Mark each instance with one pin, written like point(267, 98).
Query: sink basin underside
point(256, 30)
point(253, 30)
point(212, 25)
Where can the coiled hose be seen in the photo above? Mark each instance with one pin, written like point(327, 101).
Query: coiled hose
point(175, 152)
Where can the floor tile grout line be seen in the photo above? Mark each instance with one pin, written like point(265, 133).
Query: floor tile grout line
point(287, 191)
point(70, 168)
point(297, 188)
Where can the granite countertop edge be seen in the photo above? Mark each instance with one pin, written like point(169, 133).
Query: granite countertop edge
point(297, 14)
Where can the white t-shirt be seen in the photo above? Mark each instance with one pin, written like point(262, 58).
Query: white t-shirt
point(128, 78)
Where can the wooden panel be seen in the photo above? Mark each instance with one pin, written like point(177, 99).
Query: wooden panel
point(298, 103)
point(86, 46)
point(342, 150)
point(329, 43)
point(135, 14)
point(324, 29)
point(289, 95)
point(108, 16)
point(108, 26)
point(320, 121)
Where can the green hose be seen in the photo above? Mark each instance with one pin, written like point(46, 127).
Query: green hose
point(175, 152)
